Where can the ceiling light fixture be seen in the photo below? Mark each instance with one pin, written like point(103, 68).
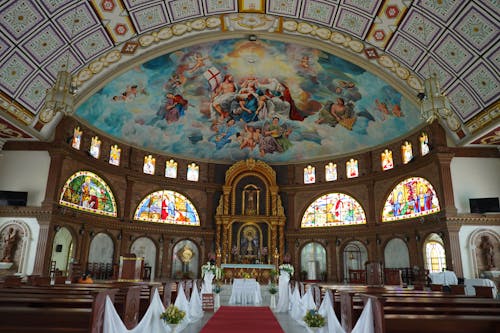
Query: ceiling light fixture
point(434, 104)
point(60, 97)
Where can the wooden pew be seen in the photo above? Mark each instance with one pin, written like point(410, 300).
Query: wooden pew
point(55, 314)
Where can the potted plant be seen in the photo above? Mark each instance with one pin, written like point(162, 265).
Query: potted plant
point(172, 316)
point(314, 320)
point(273, 290)
point(217, 289)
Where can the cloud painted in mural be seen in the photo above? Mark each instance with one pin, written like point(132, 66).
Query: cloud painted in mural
point(234, 99)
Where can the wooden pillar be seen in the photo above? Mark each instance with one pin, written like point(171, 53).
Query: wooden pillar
point(42, 256)
point(453, 257)
point(281, 241)
point(128, 199)
point(448, 200)
point(53, 179)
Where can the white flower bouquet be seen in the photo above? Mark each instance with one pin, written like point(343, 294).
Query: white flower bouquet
point(208, 267)
point(286, 268)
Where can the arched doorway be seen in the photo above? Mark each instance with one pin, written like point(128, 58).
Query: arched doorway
point(185, 260)
point(146, 248)
point(435, 254)
point(313, 261)
point(396, 254)
point(62, 250)
point(100, 262)
point(354, 257)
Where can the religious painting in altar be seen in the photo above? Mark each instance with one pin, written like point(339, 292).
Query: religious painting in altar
point(167, 207)
point(86, 191)
point(250, 242)
point(410, 198)
point(234, 99)
point(250, 196)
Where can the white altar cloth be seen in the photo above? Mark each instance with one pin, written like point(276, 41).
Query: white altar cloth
point(470, 283)
point(245, 291)
point(445, 278)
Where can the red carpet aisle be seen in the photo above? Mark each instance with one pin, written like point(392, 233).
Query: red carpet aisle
point(243, 319)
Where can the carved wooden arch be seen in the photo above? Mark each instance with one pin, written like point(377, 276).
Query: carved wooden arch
point(273, 213)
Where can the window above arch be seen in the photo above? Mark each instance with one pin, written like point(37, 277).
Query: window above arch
point(411, 198)
point(86, 191)
point(333, 209)
point(167, 207)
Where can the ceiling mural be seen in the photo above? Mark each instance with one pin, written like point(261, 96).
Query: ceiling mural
point(234, 99)
point(407, 40)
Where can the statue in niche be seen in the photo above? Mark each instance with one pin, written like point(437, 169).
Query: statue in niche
point(185, 254)
point(488, 251)
point(251, 194)
point(9, 244)
point(249, 241)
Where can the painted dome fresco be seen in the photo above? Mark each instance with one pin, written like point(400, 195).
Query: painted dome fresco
point(234, 99)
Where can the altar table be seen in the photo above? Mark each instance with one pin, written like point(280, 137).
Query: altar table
point(245, 291)
point(445, 278)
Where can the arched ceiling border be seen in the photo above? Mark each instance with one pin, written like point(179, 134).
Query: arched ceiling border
point(159, 42)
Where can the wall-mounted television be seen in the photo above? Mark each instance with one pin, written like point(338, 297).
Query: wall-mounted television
point(484, 205)
point(13, 198)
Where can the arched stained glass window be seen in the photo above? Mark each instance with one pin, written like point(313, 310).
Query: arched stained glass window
point(435, 256)
point(424, 144)
point(411, 198)
point(167, 207)
point(330, 172)
point(77, 138)
point(86, 191)
point(309, 175)
point(386, 159)
point(95, 147)
point(114, 155)
point(407, 152)
point(333, 209)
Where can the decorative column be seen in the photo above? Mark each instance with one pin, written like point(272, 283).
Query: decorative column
point(53, 178)
point(128, 199)
point(41, 257)
point(453, 257)
point(444, 160)
point(281, 240)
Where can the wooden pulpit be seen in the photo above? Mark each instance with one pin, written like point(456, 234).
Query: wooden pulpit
point(131, 268)
point(374, 276)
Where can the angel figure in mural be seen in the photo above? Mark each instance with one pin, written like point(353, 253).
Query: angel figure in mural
point(274, 138)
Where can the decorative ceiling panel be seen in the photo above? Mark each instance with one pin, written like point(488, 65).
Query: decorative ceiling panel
point(463, 101)
point(319, 12)
point(457, 40)
point(11, 131)
point(219, 7)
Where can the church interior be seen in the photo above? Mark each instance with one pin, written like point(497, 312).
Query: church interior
point(345, 148)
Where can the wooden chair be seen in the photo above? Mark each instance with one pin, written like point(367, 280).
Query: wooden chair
point(436, 287)
point(484, 291)
point(458, 289)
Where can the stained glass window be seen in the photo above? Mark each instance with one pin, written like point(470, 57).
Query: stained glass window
point(171, 169)
point(352, 168)
point(86, 191)
point(330, 172)
point(435, 256)
point(333, 209)
point(114, 155)
point(167, 207)
point(386, 159)
point(309, 175)
point(411, 198)
point(95, 147)
point(193, 172)
point(149, 165)
point(77, 138)
point(424, 144)
point(406, 152)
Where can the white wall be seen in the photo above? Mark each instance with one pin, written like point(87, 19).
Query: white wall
point(25, 171)
point(465, 249)
point(474, 178)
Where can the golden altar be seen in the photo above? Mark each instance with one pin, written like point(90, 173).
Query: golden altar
point(260, 272)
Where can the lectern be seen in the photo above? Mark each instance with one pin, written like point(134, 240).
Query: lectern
point(131, 268)
point(374, 275)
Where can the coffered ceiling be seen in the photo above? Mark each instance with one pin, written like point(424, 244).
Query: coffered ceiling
point(401, 41)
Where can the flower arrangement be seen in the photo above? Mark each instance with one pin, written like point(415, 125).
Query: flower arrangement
point(287, 268)
point(273, 290)
point(246, 275)
point(209, 267)
point(173, 315)
point(314, 319)
point(217, 288)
